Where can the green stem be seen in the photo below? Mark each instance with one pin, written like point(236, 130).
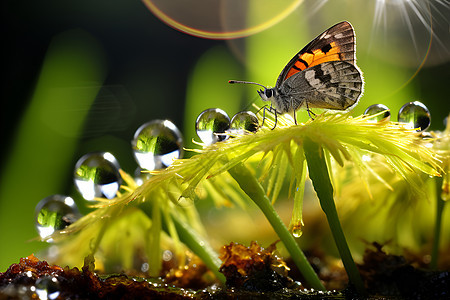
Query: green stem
point(250, 185)
point(193, 241)
point(318, 172)
point(440, 204)
point(100, 235)
point(199, 246)
point(154, 246)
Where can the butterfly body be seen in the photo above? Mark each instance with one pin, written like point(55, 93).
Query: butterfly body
point(330, 85)
point(322, 75)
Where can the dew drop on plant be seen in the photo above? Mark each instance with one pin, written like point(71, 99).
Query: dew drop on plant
point(157, 144)
point(428, 138)
point(244, 122)
point(54, 213)
point(375, 109)
point(140, 176)
point(47, 287)
point(416, 115)
point(297, 232)
point(97, 175)
point(144, 267)
point(167, 255)
point(211, 126)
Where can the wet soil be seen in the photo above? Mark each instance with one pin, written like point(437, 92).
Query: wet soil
point(251, 272)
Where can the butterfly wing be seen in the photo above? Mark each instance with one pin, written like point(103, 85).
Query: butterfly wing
point(336, 85)
point(335, 44)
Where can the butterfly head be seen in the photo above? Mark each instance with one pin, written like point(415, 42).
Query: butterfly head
point(267, 94)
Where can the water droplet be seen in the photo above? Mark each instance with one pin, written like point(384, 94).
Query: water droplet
point(140, 176)
point(145, 267)
point(167, 255)
point(210, 124)
point(47, 287)
point(54, 213)
point(17, 291)
point(426, 135)
point(97, 175)
point(156, 144)
point(375, 109)
point(297, 231)
point(416, 115)
point(244, 122)
point(366, 157)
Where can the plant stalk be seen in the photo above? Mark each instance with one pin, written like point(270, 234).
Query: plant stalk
point(250, 185)
point(318, 172)
point(440, 204)
point(193, 241)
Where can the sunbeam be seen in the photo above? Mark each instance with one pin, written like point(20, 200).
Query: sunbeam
point(423, 20)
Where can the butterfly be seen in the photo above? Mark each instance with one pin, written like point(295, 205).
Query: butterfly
point(322, 75)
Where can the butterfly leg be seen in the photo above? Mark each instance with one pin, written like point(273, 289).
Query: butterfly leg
point(309, 112)
point(264, 114)
point(275, 112)
point(271, 110)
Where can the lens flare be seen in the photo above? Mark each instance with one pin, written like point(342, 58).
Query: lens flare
point(225, 19)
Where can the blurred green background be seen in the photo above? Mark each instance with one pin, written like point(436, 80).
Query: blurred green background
point(82, 76)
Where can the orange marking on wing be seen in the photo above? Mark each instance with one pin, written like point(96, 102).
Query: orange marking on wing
point(307, 60)
point(298, 66)
point(291, 72)
point(320, 57)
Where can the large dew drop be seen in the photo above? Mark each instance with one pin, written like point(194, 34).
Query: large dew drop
point(47, 287)
point(156, 144)
point(211, 126)
point(55, 213)
point(244, 122)
point(416, 115)
point(97, 175)
point(378, 109)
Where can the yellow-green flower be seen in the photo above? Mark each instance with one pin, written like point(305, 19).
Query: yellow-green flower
point(227, 169)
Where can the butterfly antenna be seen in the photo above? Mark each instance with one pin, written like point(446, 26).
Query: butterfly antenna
point(264, 107)
point(246, 82)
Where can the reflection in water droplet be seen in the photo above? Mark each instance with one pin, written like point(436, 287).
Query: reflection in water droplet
point(97, 175)
point(54, 213)
point(47, 287)
point(210, 123)
point(156, 144)
point(244, 122)
point(416, 115)
point(375, 109)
